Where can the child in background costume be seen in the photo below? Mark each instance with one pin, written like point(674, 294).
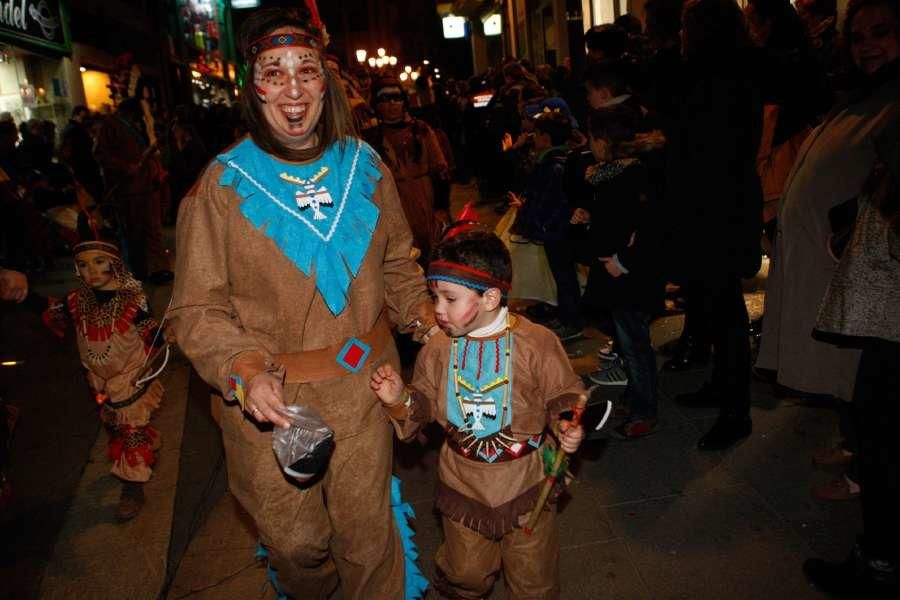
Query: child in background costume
point(115, 334)
point(497, 382)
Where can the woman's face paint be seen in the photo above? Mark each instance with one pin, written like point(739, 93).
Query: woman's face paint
point(290, 84)
point(95, 268)
point(458, 309)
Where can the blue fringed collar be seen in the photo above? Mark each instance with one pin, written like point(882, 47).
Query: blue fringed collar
point(319, 214)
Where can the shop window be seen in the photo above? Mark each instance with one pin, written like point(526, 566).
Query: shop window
point(96, 90)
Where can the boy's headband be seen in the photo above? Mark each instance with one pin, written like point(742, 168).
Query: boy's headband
point(444, 270)
point(96, 246)
point(282, 40)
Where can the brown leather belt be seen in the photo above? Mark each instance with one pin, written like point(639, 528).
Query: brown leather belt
point(322, 364)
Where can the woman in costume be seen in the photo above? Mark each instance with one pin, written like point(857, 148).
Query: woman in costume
point(294, 259)
point(116, 338)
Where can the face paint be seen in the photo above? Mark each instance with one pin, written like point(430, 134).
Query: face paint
point(458, 309)
point(290, 83)
point(95, 268)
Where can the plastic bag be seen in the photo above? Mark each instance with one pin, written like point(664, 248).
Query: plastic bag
point(303, 449)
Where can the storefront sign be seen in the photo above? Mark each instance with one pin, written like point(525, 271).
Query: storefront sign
point(41, 23)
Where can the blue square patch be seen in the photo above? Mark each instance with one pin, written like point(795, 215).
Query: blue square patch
point(353, 355)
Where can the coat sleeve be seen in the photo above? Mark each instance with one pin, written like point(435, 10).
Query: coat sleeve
point(204, 320)
point(406, 295)
point(423, 394)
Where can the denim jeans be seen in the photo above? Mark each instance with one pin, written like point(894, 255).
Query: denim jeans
point(561, 256)
point(633, 337)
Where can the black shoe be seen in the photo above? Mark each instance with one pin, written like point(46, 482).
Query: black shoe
point(726, 432)
point(703, 398)
point(161, 277)
point(858, 575)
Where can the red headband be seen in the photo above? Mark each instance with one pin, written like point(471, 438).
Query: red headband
point(281, 40)
point(444, 270)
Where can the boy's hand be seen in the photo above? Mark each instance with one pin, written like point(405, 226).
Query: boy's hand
point(387, 385)
point(514, 199)
point(570, 437)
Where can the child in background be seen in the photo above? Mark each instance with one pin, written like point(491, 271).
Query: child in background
point(624, 278)
point(545, 213)
point(115, 334)
point(497, 382)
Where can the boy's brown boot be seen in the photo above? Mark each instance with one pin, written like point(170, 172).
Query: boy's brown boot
point(131, 501)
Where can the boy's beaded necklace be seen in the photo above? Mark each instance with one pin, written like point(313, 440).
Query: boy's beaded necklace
point(500, 381)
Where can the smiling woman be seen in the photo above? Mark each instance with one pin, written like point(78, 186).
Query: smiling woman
point(291, 89)
point(291, 247)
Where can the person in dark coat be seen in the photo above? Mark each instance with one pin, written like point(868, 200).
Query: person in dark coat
point(625, 278)
point(713, 207)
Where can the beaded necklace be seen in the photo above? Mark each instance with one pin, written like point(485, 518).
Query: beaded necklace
point(474, 406)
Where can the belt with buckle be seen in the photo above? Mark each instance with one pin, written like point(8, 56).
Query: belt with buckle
point(345, 357)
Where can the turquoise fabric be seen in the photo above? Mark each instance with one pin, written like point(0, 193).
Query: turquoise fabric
point(331, 239)
point(416, 583)
point(477, 367)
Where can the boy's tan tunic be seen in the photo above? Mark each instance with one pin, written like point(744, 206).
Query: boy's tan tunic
point(237, 302)
point(482, 503)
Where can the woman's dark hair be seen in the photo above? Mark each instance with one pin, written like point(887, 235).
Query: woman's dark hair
point(787, 31)
point(663, 20)
point(336, 122)
point(713, 30)
point(478, 249)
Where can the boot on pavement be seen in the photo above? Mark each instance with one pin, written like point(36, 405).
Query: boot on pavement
point(131, 501)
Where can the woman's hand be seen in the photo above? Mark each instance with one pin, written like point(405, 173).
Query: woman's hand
point(265, 400)
point(612, 267)
point(514, 199)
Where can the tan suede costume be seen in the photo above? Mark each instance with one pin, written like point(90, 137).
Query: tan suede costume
point(238, 302)
point(482, 503)
point(114, 334)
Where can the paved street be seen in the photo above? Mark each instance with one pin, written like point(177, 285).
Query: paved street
point(649, 518)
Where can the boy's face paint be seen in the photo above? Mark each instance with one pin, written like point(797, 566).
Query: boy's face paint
point(458, 309)
point(290, 83)
point(95, 268)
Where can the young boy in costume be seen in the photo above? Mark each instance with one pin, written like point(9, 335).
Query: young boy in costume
point(497, 382)
point(115, 334)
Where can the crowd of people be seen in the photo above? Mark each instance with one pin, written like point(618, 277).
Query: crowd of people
point(680, 153)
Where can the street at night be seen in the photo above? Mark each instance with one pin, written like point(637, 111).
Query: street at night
point(481, 299)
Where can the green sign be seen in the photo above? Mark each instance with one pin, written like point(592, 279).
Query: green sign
point(38, 24)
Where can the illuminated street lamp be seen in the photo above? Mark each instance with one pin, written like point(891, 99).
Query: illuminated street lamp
point(404, 76)
point(408, 69)
point(392, 60)
point(372, 61)
point(381, 52)
point(414, 75)
point(360, 56)
point(379, 62)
